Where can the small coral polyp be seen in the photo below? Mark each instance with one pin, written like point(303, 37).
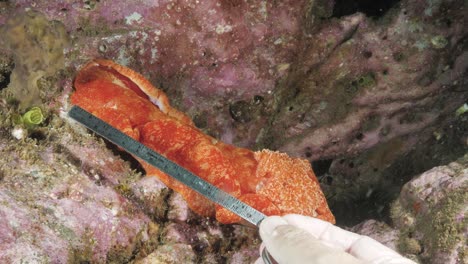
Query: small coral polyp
point(271, 182)
point(33, 117)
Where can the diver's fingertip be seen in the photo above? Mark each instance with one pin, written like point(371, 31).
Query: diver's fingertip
point(269, 224)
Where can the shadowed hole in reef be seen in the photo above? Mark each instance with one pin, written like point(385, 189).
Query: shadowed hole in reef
point(363, 202)
point(4, 81)
point(134, 164)
point(38, 135)
point(353, 201)
point(321, 167)
point(6, 67)
point(370, 8)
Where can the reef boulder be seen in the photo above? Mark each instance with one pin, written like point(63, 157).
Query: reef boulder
point(429, 217)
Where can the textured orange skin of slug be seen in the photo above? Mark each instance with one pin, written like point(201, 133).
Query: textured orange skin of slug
point(271, 182)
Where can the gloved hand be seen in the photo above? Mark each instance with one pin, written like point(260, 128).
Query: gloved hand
point(302, 239)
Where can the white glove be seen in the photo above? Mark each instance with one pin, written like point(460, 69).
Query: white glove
point(301, 239)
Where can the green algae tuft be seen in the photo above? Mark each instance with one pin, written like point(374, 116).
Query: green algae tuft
point(439, 42)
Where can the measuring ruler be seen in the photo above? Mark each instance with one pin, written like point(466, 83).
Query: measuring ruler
point(167, 166)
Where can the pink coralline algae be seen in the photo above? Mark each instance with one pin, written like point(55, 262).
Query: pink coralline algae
point(206, 55)
point(215, 47)
point(250, 72)
point(361, 92)
point(54, 212)
point(68, 198)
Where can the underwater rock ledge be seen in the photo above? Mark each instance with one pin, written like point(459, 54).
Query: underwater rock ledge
point(429, 216)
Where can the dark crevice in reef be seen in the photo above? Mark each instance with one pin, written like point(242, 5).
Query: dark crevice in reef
point(6, 67)
point(370, 8)
point(355, 194)
point(134, 164)
point(4, 81)
point(321, 167)
point(446, 145)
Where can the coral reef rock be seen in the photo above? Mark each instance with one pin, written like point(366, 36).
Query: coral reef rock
point(368, 91)
point(56, 207)
point(66, 197)
point(363, 81)
point(429, 216)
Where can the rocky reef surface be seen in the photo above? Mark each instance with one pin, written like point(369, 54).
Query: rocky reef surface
point(429, 216)
point(371, 94)
point(66, 198)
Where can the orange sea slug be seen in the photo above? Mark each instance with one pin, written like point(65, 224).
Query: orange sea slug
point(271, 182)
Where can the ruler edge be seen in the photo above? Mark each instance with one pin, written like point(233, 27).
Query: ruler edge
point(74, 113)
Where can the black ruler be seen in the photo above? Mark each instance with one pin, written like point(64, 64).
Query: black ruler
point(194, 182)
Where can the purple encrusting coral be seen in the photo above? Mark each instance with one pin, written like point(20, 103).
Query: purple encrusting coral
point(219, 48)
point(356, 91)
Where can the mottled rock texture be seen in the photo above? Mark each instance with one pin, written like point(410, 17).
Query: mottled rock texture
point(366, 91)
point(67, 197)
point(429, 217)
point(374, 83)
point(37, 45)
point(58, 203)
